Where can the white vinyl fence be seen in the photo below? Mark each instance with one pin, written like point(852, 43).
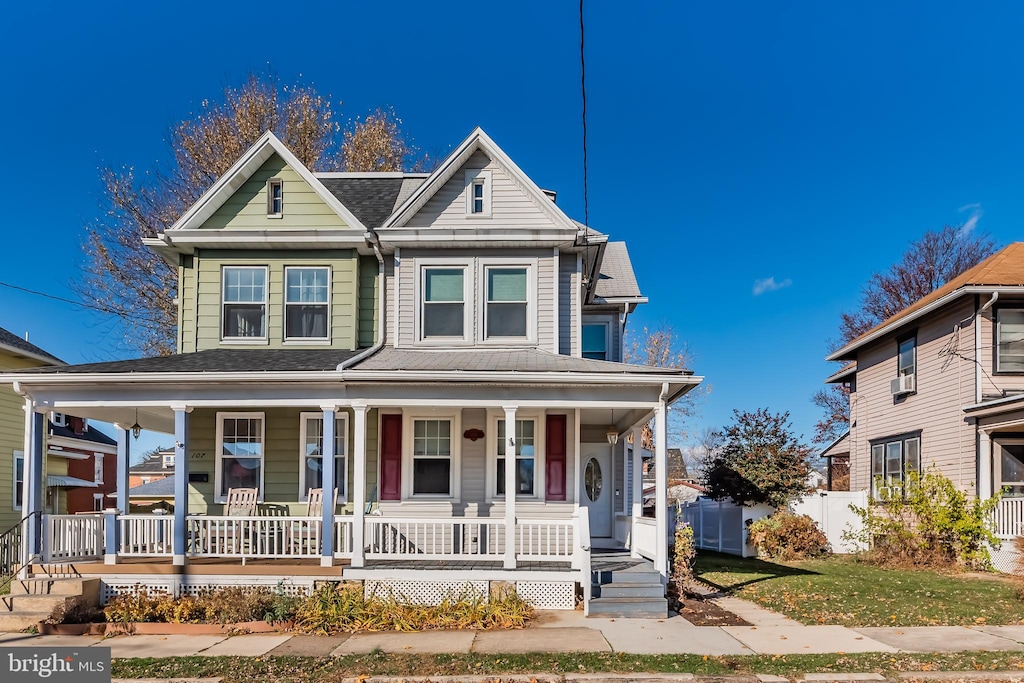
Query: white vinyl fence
point(722, 525)
point(831, 511)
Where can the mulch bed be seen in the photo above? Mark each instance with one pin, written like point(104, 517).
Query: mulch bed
point(700, 611)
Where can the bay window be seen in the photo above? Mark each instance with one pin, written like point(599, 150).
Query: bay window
point(240, 439)
point(244, 305)
point(306, 307)
point(311, 467)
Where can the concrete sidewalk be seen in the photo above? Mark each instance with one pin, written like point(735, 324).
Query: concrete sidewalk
point(566, 632)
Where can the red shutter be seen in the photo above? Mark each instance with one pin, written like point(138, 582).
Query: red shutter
point(554, 458)
point(391, 457)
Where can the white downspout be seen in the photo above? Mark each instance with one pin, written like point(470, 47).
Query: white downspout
point(382, 316)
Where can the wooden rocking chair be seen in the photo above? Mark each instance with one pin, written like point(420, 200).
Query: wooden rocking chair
point(241, 502)
point(303, 539)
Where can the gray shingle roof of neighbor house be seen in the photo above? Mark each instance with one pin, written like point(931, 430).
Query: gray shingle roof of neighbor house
point(154, 463)
point(14, 342)
point(370, 199)
point(617, 278)
point(217, 360)
point(159, 487)
point(499, 360)
point(91, 434)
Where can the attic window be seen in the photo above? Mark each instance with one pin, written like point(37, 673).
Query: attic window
point(275, 198)
point(58, 419)
point(478, 193)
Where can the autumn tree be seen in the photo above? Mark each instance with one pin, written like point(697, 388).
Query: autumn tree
point(930, 262)
point(137, 286)
point(759, 460)
point(662, 347)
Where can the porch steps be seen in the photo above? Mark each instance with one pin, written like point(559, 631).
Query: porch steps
point(628, 589)
point(35, 599)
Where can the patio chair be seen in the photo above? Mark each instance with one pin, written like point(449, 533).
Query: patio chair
point(302, 537)
point(241, 502)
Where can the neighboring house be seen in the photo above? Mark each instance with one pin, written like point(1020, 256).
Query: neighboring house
point(154, 467)
point(90, 467)
point(442, 349)
point(816, 480)
point(941, 384)
point(837, 455)
point(153, 495)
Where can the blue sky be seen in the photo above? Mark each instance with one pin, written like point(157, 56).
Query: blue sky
point(800, 145)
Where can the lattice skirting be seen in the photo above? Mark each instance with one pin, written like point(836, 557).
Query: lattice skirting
point(1005, 559)
point(424, 592)
point(112, 586)
point(548, 594)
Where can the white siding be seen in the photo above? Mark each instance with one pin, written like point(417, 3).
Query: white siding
point(510, 205)
point(944, 385)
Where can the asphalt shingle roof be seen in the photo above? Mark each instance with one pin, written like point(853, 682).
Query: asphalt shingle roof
point(371, 200)
point(498, 360)
point(159, 487)
point(617, 278)
point(154, 462)
point(15, 342)
point(218, 360)
point(91, 434)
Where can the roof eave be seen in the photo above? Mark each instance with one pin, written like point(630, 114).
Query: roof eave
point(48, 360)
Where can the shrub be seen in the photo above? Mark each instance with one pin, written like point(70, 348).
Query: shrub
point(786, 536)
point(221, 606)
point(684, 555)
point(926, 521)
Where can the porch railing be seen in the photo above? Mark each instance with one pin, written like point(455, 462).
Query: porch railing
point(545, 539)
point(343, 537)
point(645, 537)
point(146, 535)
point(264, 537)
point(1008, 518)
point(401, 538)
point(72, 537)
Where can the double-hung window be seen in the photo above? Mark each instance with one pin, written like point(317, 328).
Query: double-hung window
point(97, 470)
point(478, 193)
point(525, 455)
point(275, 198)
point(306, 305)
point(311, 472)
point(244, 308)
point(19, 479)
point(1010, 340)
point(432, 458)
point(443, 297)
point(508, 302)
point(907, 363)
point(595, 341)
point(240, 439)
point(892, 459)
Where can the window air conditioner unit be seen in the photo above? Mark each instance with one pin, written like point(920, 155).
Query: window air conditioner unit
point(904, 384)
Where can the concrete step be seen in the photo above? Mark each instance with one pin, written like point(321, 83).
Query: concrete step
point(41, 585)
point(629, 590)
point(19, 621)
point(14, 604)
point(629, 608)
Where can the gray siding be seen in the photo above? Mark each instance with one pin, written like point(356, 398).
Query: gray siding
point(614, 333)
point(568, 304)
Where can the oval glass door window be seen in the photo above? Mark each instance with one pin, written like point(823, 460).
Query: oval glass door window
point(592, 479)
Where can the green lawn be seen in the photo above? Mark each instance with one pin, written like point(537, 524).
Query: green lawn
point(841, 590)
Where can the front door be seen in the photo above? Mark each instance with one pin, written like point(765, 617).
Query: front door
point(596, 487)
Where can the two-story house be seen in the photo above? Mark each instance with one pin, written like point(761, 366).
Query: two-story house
point(941, 384)
point(443, 350)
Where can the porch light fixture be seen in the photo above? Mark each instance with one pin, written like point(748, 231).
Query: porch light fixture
point(136, 428)
point(613, 437)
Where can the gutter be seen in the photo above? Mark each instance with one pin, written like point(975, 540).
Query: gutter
point(381, 316)
point(938, 303)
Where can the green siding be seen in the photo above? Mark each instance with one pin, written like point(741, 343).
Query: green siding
point(368, 294)
point(202, 330)
point(281, 460)
point(12, 438)
point(247, 207)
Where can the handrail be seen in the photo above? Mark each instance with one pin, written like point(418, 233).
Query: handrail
point(10, 550)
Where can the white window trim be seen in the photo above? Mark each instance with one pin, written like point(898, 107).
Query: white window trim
point(217, 496)
point(455, 479)
point(421, 267)
point(607, 337)
point(539, 455)
point(997, 333)
point(265, 339)
point(270, 183)
point(483, 265)
point(97, 468)
point(284, 321)
point(59, 419)
point(18, 455)
point(472, 177)
point(98, 497)
point(342, 486)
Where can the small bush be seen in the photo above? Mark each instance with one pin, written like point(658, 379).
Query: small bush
point(684, 554)
point(785, 536)
point(926, 521)
point(222, 606)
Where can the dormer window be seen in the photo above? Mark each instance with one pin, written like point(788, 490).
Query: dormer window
point(478, 193)
point(58, 419)
point(275, 198)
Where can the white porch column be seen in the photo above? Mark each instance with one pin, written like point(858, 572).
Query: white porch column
point(328, 483)
point(180, 483)
point(510, 487)
point(661, 488)
point(113, 527)
point(32, 486)
point(359, 487)
point(637, 485)
point(984, 465)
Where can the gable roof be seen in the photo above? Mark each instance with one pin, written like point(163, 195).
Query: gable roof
point(617, 279)
point(152, 463)
point(21, 347)
point(90, 434)
point(372, 197)
point(1003, 269)
point(242, 170)
point(478, 140)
